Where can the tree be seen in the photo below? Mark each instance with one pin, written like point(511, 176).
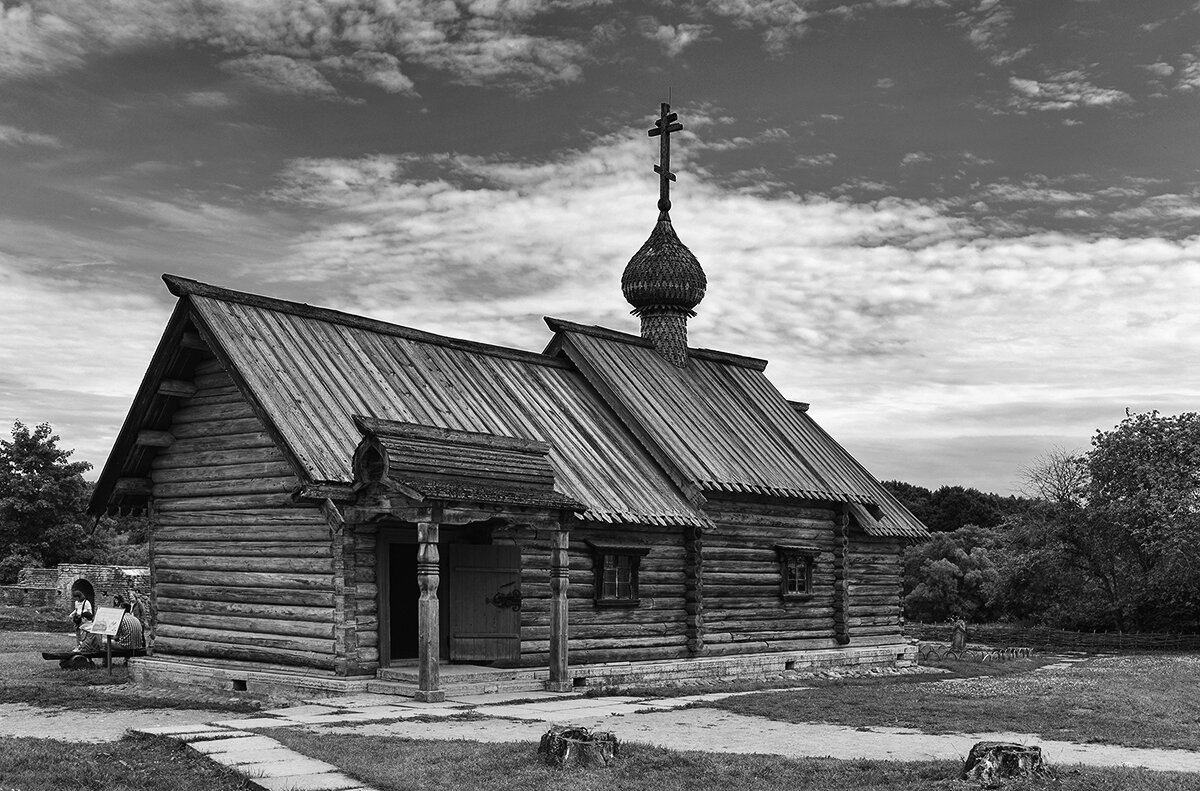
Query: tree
point(43, 498)
point(1144, 490)
point(953, 574)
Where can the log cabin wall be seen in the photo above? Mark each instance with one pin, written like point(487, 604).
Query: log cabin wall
point(876, 585)
point(655, 629)
point(238, 569)
point(744, 608)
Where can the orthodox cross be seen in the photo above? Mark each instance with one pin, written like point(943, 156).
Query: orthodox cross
point(664, 126)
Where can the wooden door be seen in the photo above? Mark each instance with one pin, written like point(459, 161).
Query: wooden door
point(483, 592)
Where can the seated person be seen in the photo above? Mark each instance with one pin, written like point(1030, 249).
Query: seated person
point(88, 643)
point(129, 633)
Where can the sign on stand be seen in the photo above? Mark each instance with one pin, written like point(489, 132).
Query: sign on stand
point(107, 622)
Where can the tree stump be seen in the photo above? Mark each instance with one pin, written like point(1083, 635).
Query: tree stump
point(564, 746)
point(993, 760)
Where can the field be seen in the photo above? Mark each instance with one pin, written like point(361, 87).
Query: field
point(1143, 700)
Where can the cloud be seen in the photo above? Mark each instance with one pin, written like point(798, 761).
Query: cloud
point(212, 100)
point(12, 136)
point(988, 26)
point(80, 373)
point(281, 45)
point(1065, 90)
point(374, 68)
point(280, 74)
point(816, 160)
point(953, 319)
point(781, 21)
point(673, 38)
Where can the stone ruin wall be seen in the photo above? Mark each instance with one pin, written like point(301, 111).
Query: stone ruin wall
point(38, 587)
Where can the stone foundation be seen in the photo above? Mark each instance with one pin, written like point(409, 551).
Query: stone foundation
point(242, 677)
point(273, 679)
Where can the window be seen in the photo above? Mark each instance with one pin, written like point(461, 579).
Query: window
point(616, 570)
point(796, 570)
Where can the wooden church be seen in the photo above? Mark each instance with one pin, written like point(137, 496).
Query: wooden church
point(347, 503)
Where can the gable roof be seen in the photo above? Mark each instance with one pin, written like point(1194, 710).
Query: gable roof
point(719, 425)
point(308, 371)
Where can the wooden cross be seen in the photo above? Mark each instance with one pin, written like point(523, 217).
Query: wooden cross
point(664, 126)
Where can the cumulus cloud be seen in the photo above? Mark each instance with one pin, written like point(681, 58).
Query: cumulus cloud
point(673, 38)
point(1064, 90)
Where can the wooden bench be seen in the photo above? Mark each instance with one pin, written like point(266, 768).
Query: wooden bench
point(76, 659)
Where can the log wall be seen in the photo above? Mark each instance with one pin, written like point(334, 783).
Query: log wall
point(744, 608)
point(876, 582)
point(238, 570)
point(655, 629)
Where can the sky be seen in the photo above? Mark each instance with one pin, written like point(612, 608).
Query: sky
point(966, 231)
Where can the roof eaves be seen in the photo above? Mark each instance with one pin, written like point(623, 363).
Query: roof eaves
point(147, 392)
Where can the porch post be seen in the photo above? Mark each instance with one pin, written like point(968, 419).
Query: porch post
point(560, 570)
point(429, 645)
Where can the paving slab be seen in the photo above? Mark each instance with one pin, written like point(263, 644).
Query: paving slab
point(238, 744)
point(291, 712)
point(180, 730)
point(254, 756)
point(330, 781)
point(254, 722)
point(295, 764)
point(492, 698)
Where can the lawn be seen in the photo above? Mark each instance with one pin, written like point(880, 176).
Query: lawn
point(389, 763)
point(1146, 700)
point(127, 765)
point(27, 678)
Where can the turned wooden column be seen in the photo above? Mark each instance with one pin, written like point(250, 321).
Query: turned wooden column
point(560, 571)
point(841, 574)
point(428, 615)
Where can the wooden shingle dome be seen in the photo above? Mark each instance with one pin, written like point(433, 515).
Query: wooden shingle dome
point(663, 273)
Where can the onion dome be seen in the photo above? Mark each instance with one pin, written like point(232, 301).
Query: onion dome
point(663, 273)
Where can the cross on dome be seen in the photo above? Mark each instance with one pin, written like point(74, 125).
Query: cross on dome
point(663, 127)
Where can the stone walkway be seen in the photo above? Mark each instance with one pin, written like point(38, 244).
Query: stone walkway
point(524, 717)
point(665, 722)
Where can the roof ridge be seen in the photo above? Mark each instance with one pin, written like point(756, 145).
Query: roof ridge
point(187, 287)
point(604, 333)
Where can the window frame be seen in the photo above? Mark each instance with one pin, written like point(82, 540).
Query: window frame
point(601, 550)
point(806, 557)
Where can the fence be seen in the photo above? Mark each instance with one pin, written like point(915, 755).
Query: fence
point(1006, 636)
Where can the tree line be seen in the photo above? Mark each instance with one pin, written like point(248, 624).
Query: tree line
point(1106, 539)
point(43, 510)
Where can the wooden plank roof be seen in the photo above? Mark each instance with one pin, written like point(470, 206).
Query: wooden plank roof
point(310, 370)
point(723, 426)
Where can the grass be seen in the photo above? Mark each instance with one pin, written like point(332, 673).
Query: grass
point(1144, 700)
point(128, 765)
point(389, 763)
point(27, 678)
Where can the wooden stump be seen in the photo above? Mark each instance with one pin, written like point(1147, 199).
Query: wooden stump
point(994, 760)
point(564, 746)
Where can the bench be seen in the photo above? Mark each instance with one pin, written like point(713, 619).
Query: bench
point(76, 659)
